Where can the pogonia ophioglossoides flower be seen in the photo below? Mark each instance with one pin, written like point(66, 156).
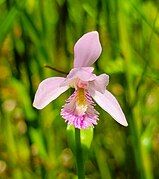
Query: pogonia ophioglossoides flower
point(79, 108)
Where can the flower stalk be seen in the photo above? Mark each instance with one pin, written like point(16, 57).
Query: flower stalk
point(79, 155)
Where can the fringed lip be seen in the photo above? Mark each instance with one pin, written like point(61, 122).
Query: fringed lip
point(79, 110)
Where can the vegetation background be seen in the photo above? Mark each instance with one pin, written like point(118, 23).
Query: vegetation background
point(35, 33)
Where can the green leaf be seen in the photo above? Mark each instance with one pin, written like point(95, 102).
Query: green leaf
point(37, 138)
point(7, 23)
point(24, 98)
point(86, 137)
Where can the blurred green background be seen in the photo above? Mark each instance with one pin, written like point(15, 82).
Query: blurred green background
point(35, 33)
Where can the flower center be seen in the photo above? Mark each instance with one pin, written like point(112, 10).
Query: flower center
point(81, 101)
point(79, 109)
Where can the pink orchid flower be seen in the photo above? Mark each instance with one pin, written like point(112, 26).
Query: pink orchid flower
point(79, 108)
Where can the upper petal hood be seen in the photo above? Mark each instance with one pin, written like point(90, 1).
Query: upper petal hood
point(48, 90)
point(109, 103)
point(87, 49)
point(84, 74)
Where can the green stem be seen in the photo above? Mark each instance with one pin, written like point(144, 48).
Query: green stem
point(79, 155)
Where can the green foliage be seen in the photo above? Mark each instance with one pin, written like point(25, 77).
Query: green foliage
point(86, 136)
point(35, 33)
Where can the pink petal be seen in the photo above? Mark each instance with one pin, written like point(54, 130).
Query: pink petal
point(109, 103)
point(47, 91)
point(100, 83)
point(87, 49)
point(83, 73)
